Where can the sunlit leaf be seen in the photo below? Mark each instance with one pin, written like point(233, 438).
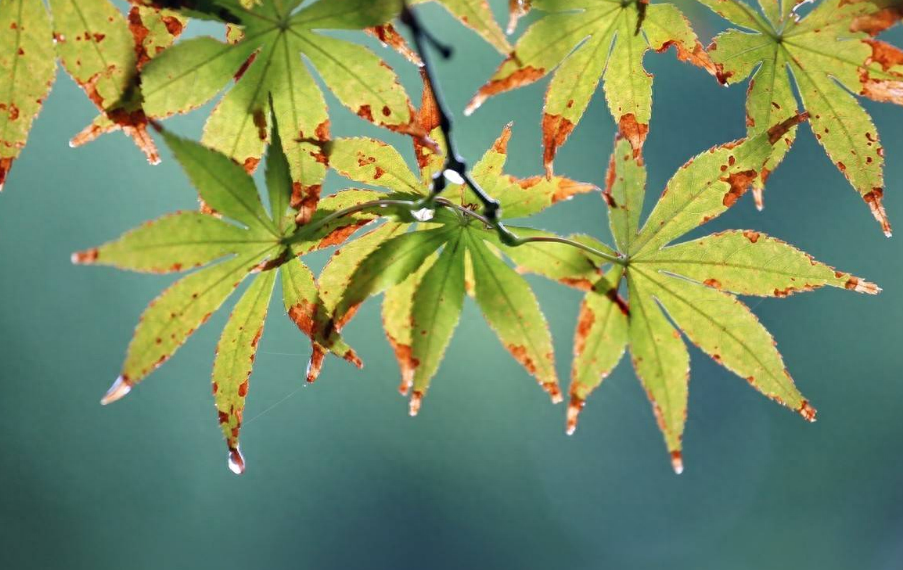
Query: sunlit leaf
point(828, 55)
point(692, 284)
point(235, 355)
point(28, 61)
point(584, 42)
point(266, 62)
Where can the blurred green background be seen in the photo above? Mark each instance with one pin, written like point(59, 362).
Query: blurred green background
point(340, 477)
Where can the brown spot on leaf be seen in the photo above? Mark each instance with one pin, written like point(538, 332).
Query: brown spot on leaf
point(244, 66)
point(303, 314)
point(519, 78)
point(714, 283)
point(555, 131)
point(85, 257)
point(389, 36)
point(365, 112)
point(778, 131)
point(305, 199)
point(751, 235)
point(520, 354)
point(406, 362)
point(875, 202)
point(633, 131)
point(739, 183)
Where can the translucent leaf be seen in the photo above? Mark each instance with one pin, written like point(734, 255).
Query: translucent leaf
point(178, 312)
point(599, 342)
point(302, 304)
point(222, 185)
point(592, 40)
point(750, 263)
point(28, 62)
point(625, 187)
point(725, 329)
point(398, 325)
point(511, 309)
point(177, 242)
point(705, 187)
point(829, 55)
point(436, 308)
point(266, 60)
point(662, 364)
point(97, 49)
point(235, 355)
point(389, 265)
point(370, 161)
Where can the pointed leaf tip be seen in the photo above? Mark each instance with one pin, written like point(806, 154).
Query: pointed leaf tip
point(119, 390)
point(807, 411)
point(554, 392)
point(236, 461)
point(862, 286)
point(416, 400)
point(574, 408)
point(677, 462)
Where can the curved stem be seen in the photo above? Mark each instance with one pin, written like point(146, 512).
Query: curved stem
point(455, 165)
point(536, 239)
point(306, 231)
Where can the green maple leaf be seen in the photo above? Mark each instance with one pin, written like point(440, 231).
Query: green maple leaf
point(96, 46)
point(692, 284)
point(264, 55)
point(585, 41)
point(830, 55)
point(425, 266)
point(235, 239)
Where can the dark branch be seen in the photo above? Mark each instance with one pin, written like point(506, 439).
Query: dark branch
point(455, 166)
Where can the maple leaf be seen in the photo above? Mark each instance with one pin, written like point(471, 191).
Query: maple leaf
point(831, 55)
point(692, 284)
point(93, 42)
point(221, 253)
point(264, 56)
point(426, 264)
point(585, 41)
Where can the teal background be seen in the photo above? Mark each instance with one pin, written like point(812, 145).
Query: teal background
point(340, 477)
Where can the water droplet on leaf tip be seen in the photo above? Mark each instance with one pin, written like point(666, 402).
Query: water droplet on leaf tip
point(236, 461)
point(677, 462)
point(117, 391)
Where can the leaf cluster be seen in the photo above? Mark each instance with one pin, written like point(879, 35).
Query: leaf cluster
point(430, 238)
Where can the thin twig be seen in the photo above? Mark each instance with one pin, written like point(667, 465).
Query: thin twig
point(455, 166)
point(311, 229)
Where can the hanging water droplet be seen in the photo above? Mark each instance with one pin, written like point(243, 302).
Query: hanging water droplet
point(453, 176)
point(423, 214)
point(416, 400)
point(677, 462)
point(236, 461)
point(117, 391)
point(574, 408)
